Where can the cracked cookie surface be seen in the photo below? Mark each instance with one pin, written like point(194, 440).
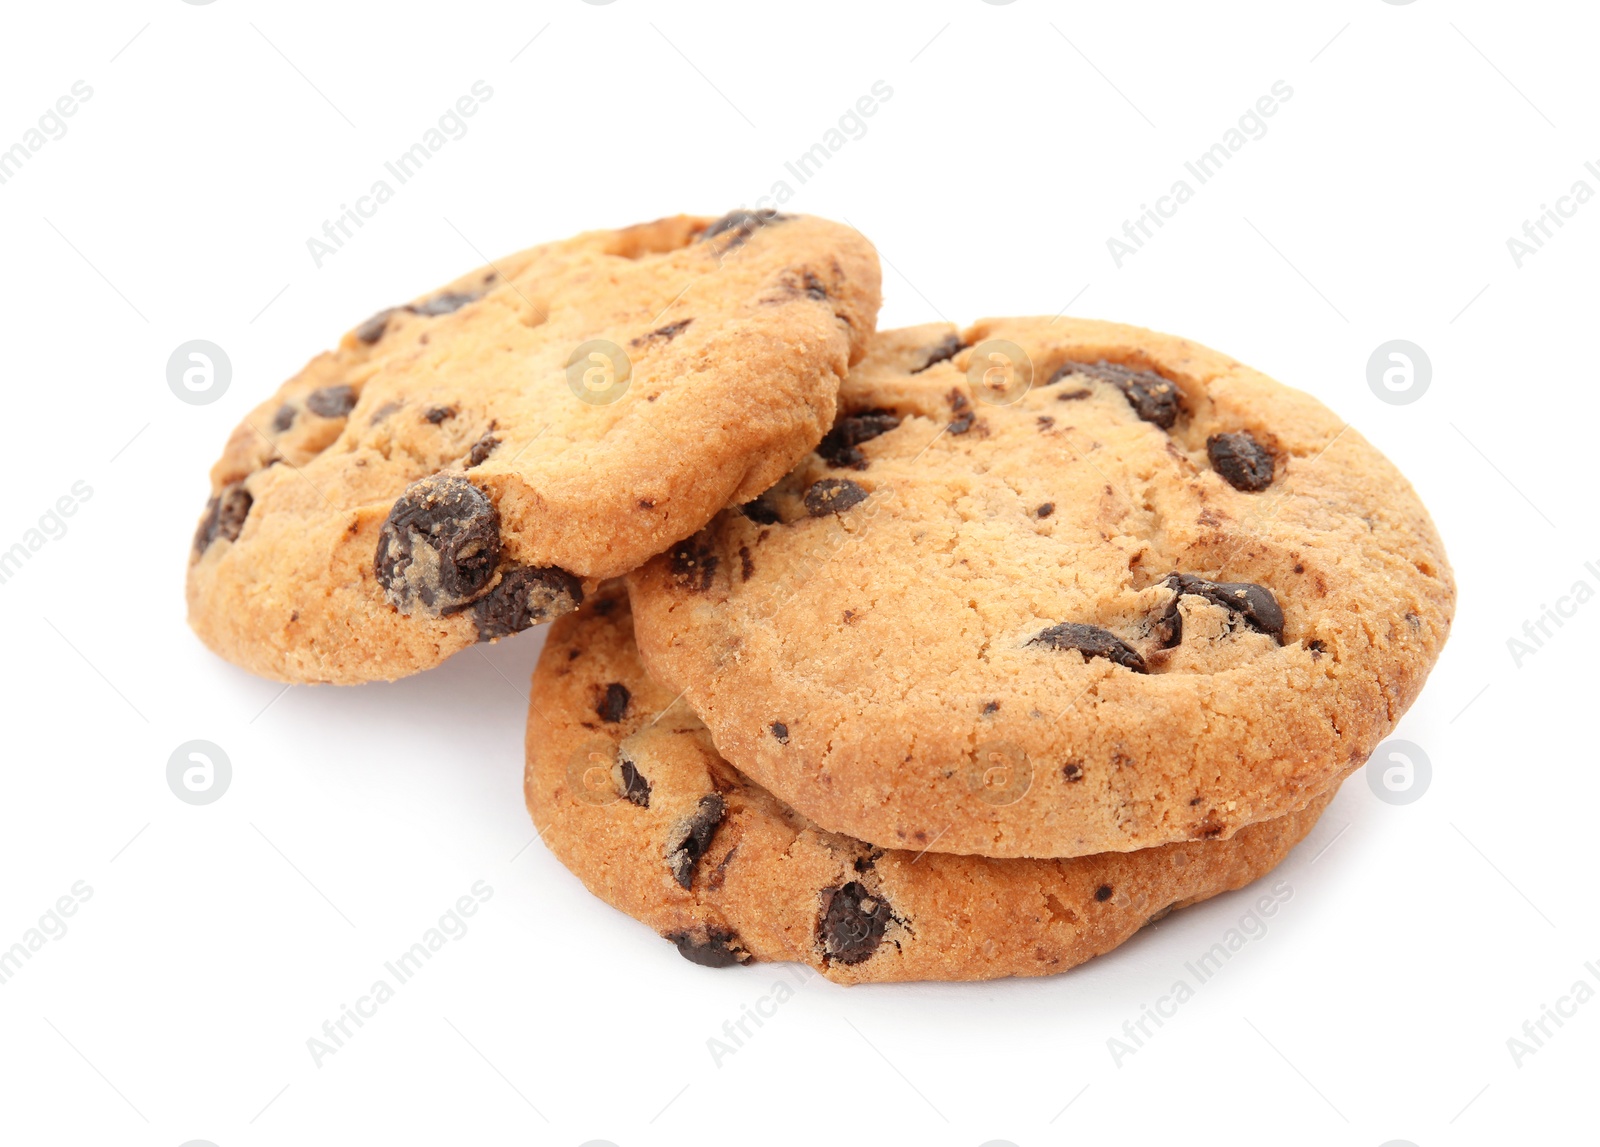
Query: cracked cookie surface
point(465, 465)
point(1053, 588)
point(633, 798)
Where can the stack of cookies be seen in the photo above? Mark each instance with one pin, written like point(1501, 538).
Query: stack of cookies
point(922, 654)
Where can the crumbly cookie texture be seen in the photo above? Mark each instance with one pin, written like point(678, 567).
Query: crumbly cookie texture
point(627, 790)
point(468, 464)
point(1153, 597)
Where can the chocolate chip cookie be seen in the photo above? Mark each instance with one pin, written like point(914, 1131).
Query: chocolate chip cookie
point(467, 464)
point(1051, 588)
point(627, 790)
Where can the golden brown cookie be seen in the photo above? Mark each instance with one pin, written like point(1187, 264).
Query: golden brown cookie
point(1054, 588)
point(626, 789)
point(462, 466)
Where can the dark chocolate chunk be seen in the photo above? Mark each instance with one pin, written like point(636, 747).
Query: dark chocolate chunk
point(740, 225)
point(941, 351)
point(437, 414)
point(991, 707)
point(693, 563)
point(1073, 771)
point(1091, 641)
point(961, 413)
point(283, 419)
point(832, 496)
point(439, 546)
point(692, 836)
point(852, 923)
point(481, 449)
point(525, 596)
point(614, 705)
point(1242, 461)
point(716, 949)
point(1103, 893)
point(760, 512)
point(224, 517)
point(780, 732)
point(635, 787)
point(1153, 398)
point(838, 447)
point(372, 330)
point(663, 334)
point(1045, 510)
point(443, 304)
point(1253, 604)
point(1076, 394)
point(331, 401)
point(747, 564)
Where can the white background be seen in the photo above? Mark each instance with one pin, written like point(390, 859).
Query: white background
point(1017, 140)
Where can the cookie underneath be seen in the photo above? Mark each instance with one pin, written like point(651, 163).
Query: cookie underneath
point(627, 790)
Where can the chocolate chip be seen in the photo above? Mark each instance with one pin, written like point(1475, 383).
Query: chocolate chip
point(664, 334)
point(481, 449)
point(1254, 604)
point(691, 836)
point(693, 563)
point(780, 732)
point(1045, 510)
point(438, 547)
point(525, 596)
point(832, 496)
point(224, 516)
point(1073, 771)
point(635, 788)
point(852, 923)
point(942, 351)
point(760, 512)
point(614, 704)
point(1317, 648)
point(747, 565)
point(443, 304)
point(437, 414)
point(331, 401)
point(1077, 394)
point(1103, 893)
point(1091, 641)
point(814, 287)
point(962, 416)
point(383, 412)
point(1153, 398)
point(740, 225)
point(1045, 423)
point(838, 447)
point(372, 330)
point(1241, 460)
point(284, 419)
point(716, 949)
point(991, 707)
